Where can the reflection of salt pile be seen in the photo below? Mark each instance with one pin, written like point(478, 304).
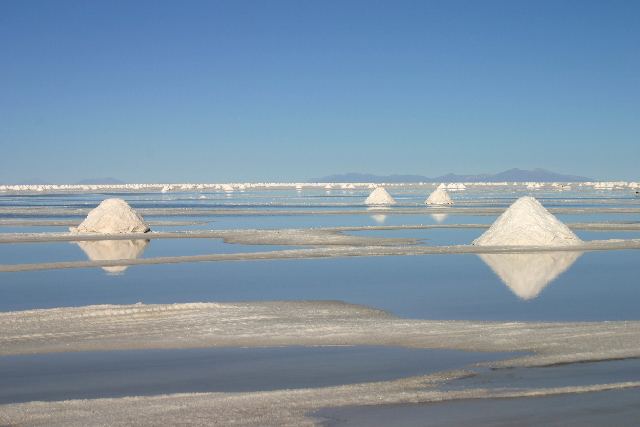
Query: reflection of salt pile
point(527, 223)
point(439, 197)
point(113, 216)
point(439, 217)
point(380, 219)
point(379, 196)
point(103, 250)
point(527, 274)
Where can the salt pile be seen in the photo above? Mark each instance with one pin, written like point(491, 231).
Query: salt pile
point(113, 216)
point(439, 197)
point(527, 223)
point(379, 196)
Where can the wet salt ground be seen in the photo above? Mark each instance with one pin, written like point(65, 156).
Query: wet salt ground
point(90, 375)
point(309, 196)
point(32, 253)
point(273, 221)
point(599, 286)
point(453, 236)
point(618, 408)
point(611, 407)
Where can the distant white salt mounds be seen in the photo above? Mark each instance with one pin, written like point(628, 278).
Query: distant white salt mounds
point(168, 187)
point(527, 223)
point(439, 197)
point(379, 196)
point(113, 216)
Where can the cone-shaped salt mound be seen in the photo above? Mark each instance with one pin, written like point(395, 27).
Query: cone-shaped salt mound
point(439, 197)
point(527, 223)
point(527, 274)
point(113, 216)
point(379, 196)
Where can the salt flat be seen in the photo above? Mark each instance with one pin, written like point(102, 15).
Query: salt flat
point(312, 323)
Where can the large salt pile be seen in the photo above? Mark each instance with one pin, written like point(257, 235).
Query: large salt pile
point(113, 216)
point(527, 223)
point(379, 196)
point(439, 197)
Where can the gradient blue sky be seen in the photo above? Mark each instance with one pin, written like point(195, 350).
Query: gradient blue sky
point(273, 91)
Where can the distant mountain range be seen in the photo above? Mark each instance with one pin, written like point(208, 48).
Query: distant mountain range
point(536, 175)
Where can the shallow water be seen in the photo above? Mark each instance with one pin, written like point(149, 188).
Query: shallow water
point(430, 236)
point(617, 408)
point(90, 375)
point(32, 253)
point(596, 286)
point(563, 286)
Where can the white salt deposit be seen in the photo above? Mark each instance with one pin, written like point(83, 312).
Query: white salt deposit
point(113, 216)
point(379, 196)
point(439, 197)
point(527, 223)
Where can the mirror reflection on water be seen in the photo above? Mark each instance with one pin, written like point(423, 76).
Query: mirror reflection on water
point(106, 250)
point(526, 274)
point(598, 286)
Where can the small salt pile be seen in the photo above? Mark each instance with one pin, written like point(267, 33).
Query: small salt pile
point(113, 216)
point(527, 223)
point(439, 197)
point(379, 196)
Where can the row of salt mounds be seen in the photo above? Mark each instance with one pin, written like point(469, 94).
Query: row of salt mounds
point(113, 216)
point(527, 223)
point(439, 197)
point(379, 196)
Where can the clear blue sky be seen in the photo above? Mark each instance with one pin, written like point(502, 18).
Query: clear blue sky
point(264, 91)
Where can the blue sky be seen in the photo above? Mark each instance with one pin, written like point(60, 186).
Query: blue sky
point(274, 91)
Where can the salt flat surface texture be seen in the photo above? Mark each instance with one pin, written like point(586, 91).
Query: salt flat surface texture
point(439, 197)
point(527, 223)
point(379, 196)
point(113, 216)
